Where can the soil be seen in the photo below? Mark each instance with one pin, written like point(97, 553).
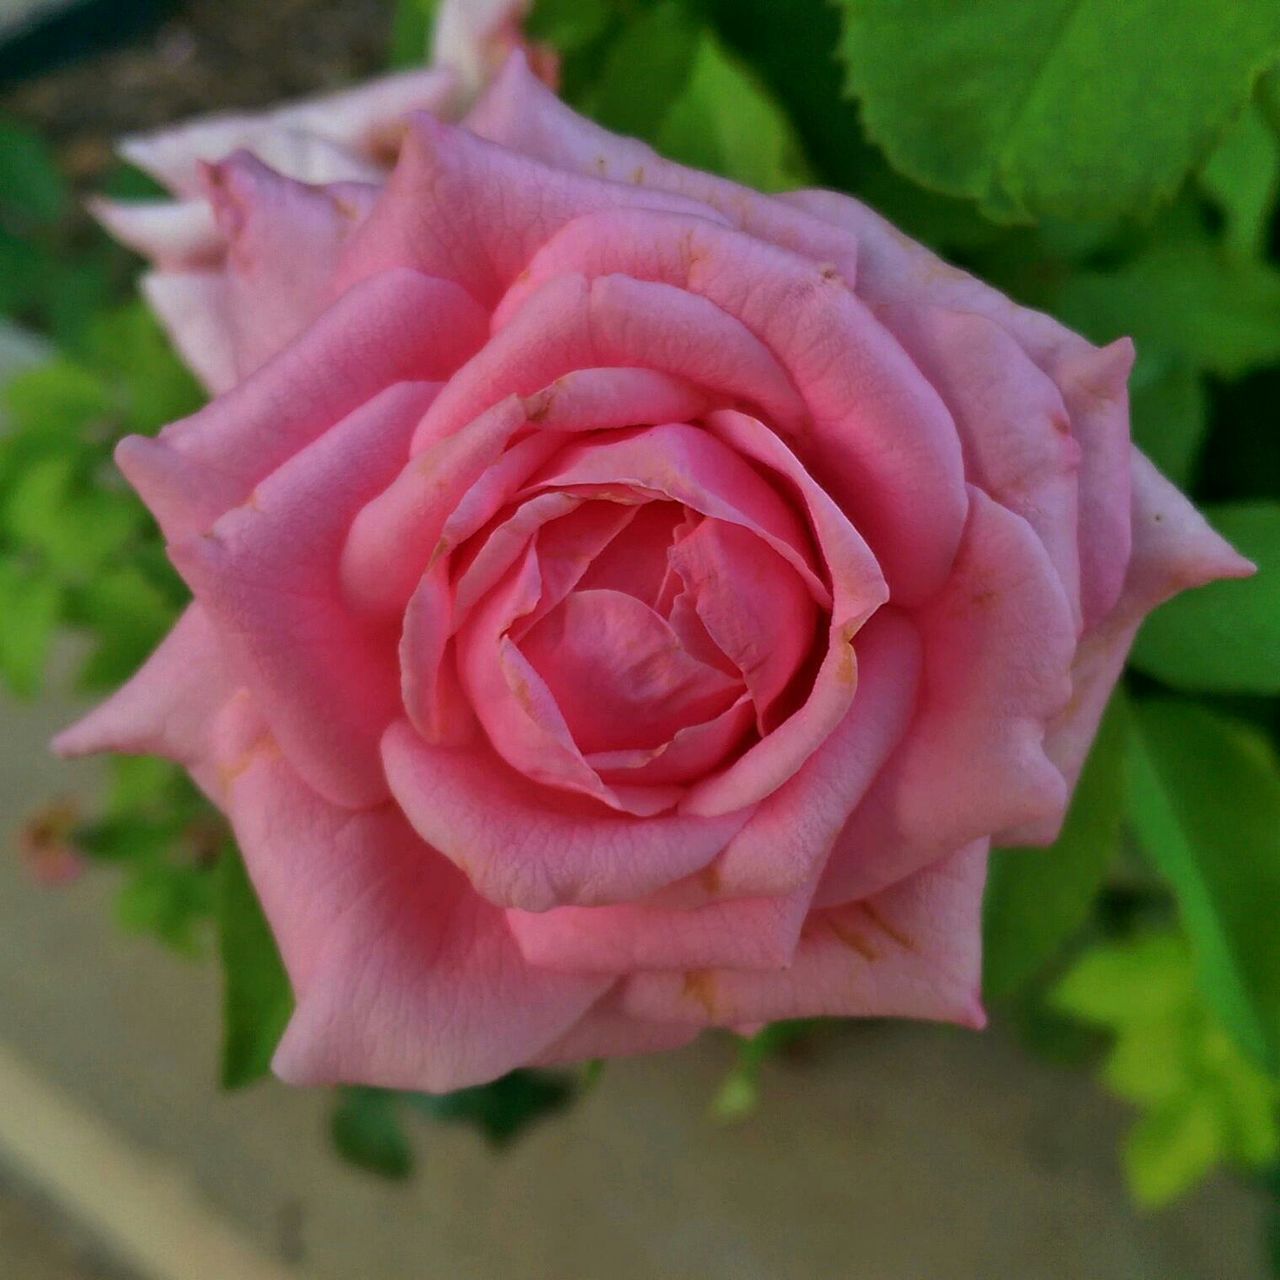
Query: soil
point(210, 55)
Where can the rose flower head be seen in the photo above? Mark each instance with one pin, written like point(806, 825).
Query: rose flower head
point(624, 603)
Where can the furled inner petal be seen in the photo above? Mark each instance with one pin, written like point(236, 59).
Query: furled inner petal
point(619, 673)
point(753, 607)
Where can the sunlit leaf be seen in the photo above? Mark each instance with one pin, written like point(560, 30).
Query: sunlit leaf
point(1084, 108)
point(1205, 804)
point(1242, 176)
point(30, 607)
point(725, 121)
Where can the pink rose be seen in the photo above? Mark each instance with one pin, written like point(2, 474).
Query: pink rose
point(626, 603)
point(348, 141)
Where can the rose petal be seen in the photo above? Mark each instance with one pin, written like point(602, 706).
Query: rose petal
point(753, 606)
point(520, 112)
point(913, 950)
point(268, 576)
point(194, 310)
point(1174, 549)
point(331, 138)
point(167, 707)
point(998, 645)
point(447, 210)
point(1013, 424)
point(404, 977)
point(523, 846)
point(606, 1031)
point(619, 673)
point(858, 589)
point(173, 234)
point(394, 538)
point(521, 715)
point(747, 934)
point(570, 325)
point(395, 327)
point(877, 436)
point(689, 466)
point(283, 241)
point(792, 831)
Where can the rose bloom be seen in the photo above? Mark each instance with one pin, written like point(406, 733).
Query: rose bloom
point(624, 603)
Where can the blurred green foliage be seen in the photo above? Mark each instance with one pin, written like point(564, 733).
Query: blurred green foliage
point(1116, 165)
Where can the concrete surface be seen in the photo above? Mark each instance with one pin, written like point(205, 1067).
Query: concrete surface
point(896, 1153)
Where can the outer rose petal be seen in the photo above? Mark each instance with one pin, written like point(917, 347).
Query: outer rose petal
point(283, 241)
point(895, 271)
point(442, 170)
point(325, 680)
point(168, 707)
point(912, 950)
point(194, 310)
point(355, 129)
point(173, 234)
point(524, 846)
point(1174, 549)
point(394, 327)
point(606, 1031)
point(474, 37)
point(1013, 424)
point(750, 933)
point(519, 112)
point(998, 645)
point(404, 977)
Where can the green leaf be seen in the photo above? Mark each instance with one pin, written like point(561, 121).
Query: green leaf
point(128, 615)
point(725, 121)
point(1184, 298)
point(1142, 980)
point(366, 1129)
point(1205, 805)
point(1223, 638)
point(153, 386)
point(644, 70)
point(1169, 1150)
point(74, 525)
point(501, 1110)
point(1036, 899)
point(1241, 177)
point(568, 25)
point(170, 901)
point(1084, 108)
point(257, 1000)
point(1203, 1100)
point(59, 398)
point(31, 606)
point(411, 29)
point(1170, 413)
point(739, 1092)
point(30, 181)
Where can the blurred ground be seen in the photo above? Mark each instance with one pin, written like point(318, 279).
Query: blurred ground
point(892, 1153)
point(38, 1242)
